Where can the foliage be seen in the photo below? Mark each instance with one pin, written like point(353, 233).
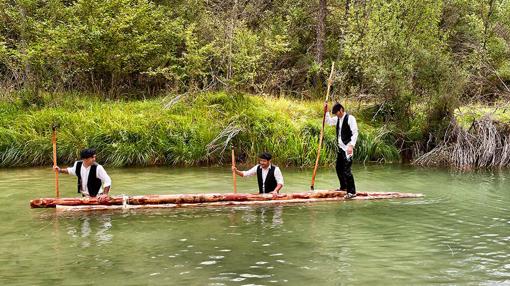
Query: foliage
point(431, 54)
point(193, 131)
point(399, 50)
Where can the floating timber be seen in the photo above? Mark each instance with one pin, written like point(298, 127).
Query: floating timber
point(195, 200)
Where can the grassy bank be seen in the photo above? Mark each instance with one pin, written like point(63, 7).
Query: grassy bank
point(186, 130)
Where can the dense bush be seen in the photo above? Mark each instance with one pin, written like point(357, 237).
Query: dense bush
point(390, 49)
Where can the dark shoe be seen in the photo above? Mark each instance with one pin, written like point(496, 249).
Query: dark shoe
point(349, 196)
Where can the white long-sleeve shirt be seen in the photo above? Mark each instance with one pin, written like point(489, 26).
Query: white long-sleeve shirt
point(277, 174)
point(352, 123)
point(84, 172)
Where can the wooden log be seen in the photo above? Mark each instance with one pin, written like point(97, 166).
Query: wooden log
point(227, 198)
point(52, 202)
point(365, 196)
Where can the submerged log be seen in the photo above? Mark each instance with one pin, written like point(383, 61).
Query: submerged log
point(185, 200)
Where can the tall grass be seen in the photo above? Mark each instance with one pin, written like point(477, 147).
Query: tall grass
point(192, 130)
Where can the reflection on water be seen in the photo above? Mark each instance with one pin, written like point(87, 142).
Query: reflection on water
point(91, 231)
point(264, 216)
point(457, 234)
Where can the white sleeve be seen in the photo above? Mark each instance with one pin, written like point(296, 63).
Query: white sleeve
point(278, 176)
point(72, 170)
point(103, 176)
point(250, 172)
point(331, 120)
point(354, 129)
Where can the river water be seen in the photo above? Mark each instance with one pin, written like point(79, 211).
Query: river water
point(458, 234)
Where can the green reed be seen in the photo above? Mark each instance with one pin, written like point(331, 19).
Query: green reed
point(194, 129)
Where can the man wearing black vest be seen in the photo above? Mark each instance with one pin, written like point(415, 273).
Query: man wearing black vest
point(347, 135)
point(91, 176)
point(269, 176)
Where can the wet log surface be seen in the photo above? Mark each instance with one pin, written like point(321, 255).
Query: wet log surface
point(185, 200)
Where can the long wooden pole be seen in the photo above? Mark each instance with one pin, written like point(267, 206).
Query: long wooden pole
point(234, 172)
point(54, 141)
point(330, 81)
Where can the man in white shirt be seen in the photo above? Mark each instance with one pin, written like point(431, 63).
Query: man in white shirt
point(92, 178)
point(269, 176)
point(347, 135)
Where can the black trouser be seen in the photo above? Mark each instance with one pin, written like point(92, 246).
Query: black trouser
point(343, 171)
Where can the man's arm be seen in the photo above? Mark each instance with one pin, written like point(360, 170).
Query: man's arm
point(239, 173)
point(328, 119)
point(69, 170)
point(64, 171)
point(105, 179)
point(354, 138)
point(331, 121)
point(248, 173)
point(279, 180)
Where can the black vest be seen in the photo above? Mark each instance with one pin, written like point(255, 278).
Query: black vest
point(346, 132)
point(93, 183)
point(270, 183)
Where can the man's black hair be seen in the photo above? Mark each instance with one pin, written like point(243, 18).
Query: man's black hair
point(87, 153)
point(337, 108)
point(265, 156)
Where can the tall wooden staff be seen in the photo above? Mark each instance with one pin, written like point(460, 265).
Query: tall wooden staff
point(234, 172)
point(330, 81)
point(54, 141)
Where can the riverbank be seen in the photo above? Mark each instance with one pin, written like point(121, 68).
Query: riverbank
point(198, 129)
point(186, 130)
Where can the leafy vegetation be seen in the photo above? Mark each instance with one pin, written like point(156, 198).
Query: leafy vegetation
point(413, 62)
point(396, 50)
point(195, 130)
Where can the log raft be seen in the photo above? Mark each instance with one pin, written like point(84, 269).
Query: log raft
point(196, 200)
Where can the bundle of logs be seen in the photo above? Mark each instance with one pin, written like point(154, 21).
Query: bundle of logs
point(185, 200)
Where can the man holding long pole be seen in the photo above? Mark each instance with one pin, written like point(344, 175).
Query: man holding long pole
point(93, 181)
point(346, 135)
point(269, 176)
point(321, 136)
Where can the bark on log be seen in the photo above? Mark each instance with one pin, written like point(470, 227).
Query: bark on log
point(182, 200)
point(52, 202)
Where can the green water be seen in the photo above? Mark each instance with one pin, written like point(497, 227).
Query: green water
point(459, 234)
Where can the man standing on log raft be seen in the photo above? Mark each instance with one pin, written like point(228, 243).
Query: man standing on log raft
point(347, 135)
point(269, 176)
point(92, 177)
